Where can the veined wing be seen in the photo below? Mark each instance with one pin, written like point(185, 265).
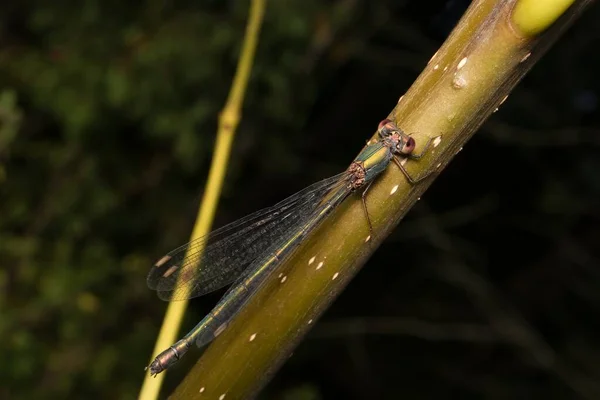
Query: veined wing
point(258, 272)
point(217, 259)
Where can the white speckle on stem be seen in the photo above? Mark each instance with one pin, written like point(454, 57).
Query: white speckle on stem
point(461, 63)
point(525, 57)
point(202, 389)
point(283, 279)
point(320, 265)
point(335, 276)
point(368, 238)
point(394, 189)
point(312, 260)
point(400, 99)
point(310, 321)
point(432, 57)
point(252, 337)
point(436, 66)
point(459, 82)
point(437, 141)
point(221, 397)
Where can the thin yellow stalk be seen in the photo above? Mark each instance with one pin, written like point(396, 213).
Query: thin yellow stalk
point(228, 122)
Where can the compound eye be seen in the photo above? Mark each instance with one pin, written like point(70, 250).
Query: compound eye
point(409, 146)
point(382, 125)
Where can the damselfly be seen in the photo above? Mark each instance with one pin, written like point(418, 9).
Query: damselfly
point(247, 251)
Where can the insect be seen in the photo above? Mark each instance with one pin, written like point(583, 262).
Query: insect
point(247, 251)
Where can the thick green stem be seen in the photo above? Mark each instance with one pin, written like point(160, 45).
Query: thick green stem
point(464, 82)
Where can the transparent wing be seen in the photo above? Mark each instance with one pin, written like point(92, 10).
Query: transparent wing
point(189, 272)
point(258, 272)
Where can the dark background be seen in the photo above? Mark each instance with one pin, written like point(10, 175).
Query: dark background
point(488, 289)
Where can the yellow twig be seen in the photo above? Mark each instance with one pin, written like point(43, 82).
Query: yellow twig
point(228, 121)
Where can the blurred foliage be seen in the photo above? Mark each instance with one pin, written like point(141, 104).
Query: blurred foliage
point(107, 116)
point(120, 103)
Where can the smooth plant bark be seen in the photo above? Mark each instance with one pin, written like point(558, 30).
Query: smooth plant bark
point(463, 83)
